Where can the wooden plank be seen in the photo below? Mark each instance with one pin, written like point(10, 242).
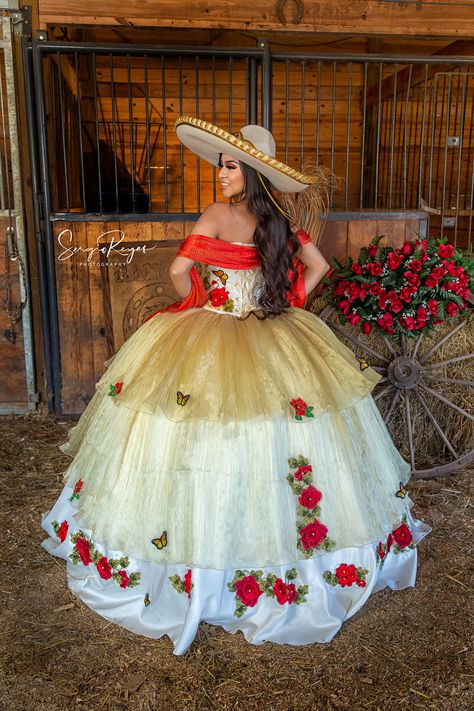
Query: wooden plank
point(333, 240)
point(331, 16)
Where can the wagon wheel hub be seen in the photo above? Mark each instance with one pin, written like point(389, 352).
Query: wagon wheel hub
point(404, 372)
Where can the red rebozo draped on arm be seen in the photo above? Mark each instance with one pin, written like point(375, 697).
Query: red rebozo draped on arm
point(208, 250)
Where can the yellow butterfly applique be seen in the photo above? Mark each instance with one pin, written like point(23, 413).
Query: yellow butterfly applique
point(402, 491)
point(146, 600)
point(161, 541)
point(222, 275)
point(182, 399)
point(362, 363)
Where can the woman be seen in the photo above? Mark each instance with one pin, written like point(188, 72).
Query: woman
point(232, 465)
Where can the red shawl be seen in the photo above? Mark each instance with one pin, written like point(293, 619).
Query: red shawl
point(228, 255)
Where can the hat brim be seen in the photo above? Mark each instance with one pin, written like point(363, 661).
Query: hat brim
point(209, 141)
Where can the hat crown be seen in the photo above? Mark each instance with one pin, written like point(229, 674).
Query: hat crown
point(260, 138)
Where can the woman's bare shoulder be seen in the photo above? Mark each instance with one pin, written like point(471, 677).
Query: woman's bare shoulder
point(211, 219)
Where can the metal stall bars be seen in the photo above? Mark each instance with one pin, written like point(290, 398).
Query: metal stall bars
point(17, 388)
point(106, 148)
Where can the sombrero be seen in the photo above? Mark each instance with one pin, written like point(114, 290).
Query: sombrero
point(252, 144)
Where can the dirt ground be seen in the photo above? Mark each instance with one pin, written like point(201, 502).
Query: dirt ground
point(405, 650)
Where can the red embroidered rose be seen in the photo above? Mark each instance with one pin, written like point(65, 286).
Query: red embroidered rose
point(78, 486)
point(346, 574)
point(292, 592)
point(118, 387)
point(380, 550)
point(310, 497)
point(187, 582)
point(389, 542)
point(62, 532)
point(313, 534)
point(445, 251)
point(219, 296)
point(248, 590)
point(104, 568)
point(281, 591)
point(84, 550)
point(361, 583)
point(125, 581)
point(402, 536)
point(302, 470)
point(431, 281)
point(300, 406)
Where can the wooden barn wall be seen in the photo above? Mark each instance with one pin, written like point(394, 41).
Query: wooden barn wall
point(104, 296)
point(450, 18)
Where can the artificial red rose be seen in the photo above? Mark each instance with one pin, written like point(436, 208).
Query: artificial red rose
point(412, 279)
point(415, 265)
point(445, 251)
point(402, 536)
point(374, 288)
point(313, 534)
point(394, 260)
point(362, 294)
point(408, 322)
point(387, 319)
point(118, 387)
point(366, 327)
point(361, 583)
point(310, 497)
point(248, 590)
point(451, 308)
point(396, 306)
point(78, 486)
point(292, 592)
point(438, 272)
point(187, 582)
point(431, 281)
point(354, 319)
point(421, 313)
point(63, 529)
point(125, 580)
point(302, 470)
point(346, 574)
point(219, 296)
point(373, 250)
point(405, 294)
point(413, 289)
point(392, 295)
point(374, 268)
point(281, 591)
point(344, 304)
point(406, 248)
point(382, 300)
point(432, 305)
point(357, 268)
point(104, 568)
point(84, 550)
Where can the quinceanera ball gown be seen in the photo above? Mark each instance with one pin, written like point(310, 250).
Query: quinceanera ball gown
point(234, 470)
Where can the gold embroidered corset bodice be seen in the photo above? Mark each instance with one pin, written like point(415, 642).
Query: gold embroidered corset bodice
point(232, 291)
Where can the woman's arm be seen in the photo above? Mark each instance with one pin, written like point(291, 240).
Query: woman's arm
point(316, 265)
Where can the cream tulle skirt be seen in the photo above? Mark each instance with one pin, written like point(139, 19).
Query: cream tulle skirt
point(228, 452)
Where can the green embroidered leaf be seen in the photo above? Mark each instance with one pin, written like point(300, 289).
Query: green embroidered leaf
point(291, 574)
point(292, 462)
point(96, 556)
point(117, 578)
point(55, 526)
point(298, 417)
point(330, 578)
point(124, 562)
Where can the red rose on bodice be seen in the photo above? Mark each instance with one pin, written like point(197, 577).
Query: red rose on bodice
point(313, 534)
point(104, 569)
point(219, 296)
point(281, 591)
point(248, 590)
point(124, 578)
point(63, 529)
point(310, 497)
point(302, 470)
point(84, 550)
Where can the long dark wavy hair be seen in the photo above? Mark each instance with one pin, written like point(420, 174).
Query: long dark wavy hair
point(275, 241)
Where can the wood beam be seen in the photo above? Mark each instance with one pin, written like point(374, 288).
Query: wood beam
point(453, 18)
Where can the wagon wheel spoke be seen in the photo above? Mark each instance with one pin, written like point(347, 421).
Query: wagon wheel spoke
point(410, 433)
point(391, 409)
point(390, 346)
point(383, 392)
point(379, 368)
point(442, 340)
point(359, 343)
point(438, 395)
point(469, 383)
point(404, 344)
point(436, 424)
point(416, 346)
point(449, 361)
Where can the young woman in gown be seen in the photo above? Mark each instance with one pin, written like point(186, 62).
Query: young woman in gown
point(232, 465)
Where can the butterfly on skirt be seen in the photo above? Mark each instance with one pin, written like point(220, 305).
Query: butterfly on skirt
point(161, 541)
point(402, 491)
point(182, 399)
point(362, 363)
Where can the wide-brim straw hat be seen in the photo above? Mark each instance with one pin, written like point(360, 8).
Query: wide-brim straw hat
point(252, 144)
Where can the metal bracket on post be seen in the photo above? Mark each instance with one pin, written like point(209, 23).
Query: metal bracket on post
point(41, 35)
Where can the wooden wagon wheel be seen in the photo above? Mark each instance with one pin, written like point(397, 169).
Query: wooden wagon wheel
point(409, 376)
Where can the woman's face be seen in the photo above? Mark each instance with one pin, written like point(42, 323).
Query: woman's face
point(231, 176)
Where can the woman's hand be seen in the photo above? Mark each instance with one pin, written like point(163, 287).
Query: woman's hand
point(316, 265)
point(179, 273)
